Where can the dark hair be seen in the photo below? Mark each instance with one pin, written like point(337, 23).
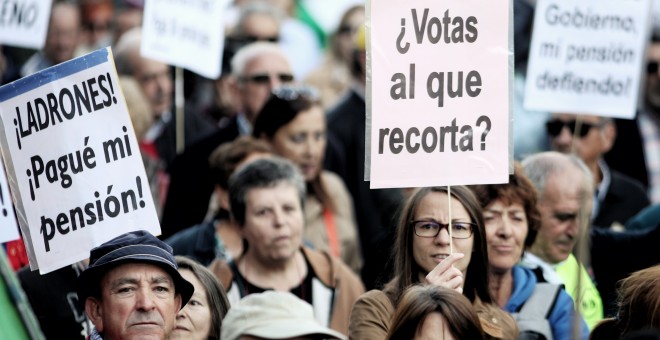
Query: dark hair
point(419, 301)
point(215, 293)
point(226, 157)
point(406, 269)
point(261, 173)
point(519, 190)
point(283, 106)
point(343, 24)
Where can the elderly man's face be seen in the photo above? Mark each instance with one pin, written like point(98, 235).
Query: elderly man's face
point(155, 81)
point(261, 75)
point(138, 300)
point(63, 33)
point(560, 206)
point(597, 140)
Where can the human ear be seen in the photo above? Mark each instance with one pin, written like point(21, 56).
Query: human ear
point(94, 313)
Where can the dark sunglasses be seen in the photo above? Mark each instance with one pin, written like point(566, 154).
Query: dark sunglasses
point(264, 78)
point(252, 38)
point(555, 126)
point(346, 30)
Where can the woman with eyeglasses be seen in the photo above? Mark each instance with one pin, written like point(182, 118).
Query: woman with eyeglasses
point(512, 220)
point(427, 252)
point(293, 123)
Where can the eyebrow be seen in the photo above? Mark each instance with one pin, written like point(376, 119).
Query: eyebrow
point(134, 281)
point(123, 281)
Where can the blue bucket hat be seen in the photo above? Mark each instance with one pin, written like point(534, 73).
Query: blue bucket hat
point(133, 247)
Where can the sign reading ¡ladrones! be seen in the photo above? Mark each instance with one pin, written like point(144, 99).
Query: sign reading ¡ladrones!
point(586, 56)
point(73, 161)
point(439, 92)
point(24, 22)
point(188, 34)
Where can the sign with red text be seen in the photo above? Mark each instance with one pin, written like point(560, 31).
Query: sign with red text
point(439, 92)
point(24, 23)
point(187, 34)
point(587, 56)
point(8, 226)
point(73, 162)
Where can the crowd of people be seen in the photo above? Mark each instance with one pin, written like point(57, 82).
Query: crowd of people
point(269, 230)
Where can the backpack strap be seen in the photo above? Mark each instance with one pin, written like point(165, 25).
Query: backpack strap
point(542, 300)
point(532, 318)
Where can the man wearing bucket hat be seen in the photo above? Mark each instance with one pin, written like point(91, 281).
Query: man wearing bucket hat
point(274, 315)
point(132, 288)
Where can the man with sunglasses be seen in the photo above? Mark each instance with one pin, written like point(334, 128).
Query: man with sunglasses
point(617, 197)
point(256, 70)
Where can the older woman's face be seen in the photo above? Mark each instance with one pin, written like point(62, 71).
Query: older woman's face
point(194, 320)
point(506, 230)
point(428, 252)
point(273, 222)
point(303, 141)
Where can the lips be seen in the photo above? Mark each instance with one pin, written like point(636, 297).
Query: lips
point(439, 257)
point(503, 248)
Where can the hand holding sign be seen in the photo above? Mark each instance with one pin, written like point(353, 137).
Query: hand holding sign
point(445, 274)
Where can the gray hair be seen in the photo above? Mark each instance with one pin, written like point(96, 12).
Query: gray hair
point(539, 167)
point(126, 47)
point(248, 53)
point(262, 173)
point(258, 8)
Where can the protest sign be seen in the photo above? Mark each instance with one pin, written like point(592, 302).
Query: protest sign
point(586, 56)
point(73, 162)
point(188, 34)
point(8, 227)
point(439, 92)
point(24, 23)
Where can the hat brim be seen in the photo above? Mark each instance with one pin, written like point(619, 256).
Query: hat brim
point(89, 280)
point(283, 329)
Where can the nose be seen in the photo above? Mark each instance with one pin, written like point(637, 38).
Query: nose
point(274, 81)
point(443, 237)
point(145, 300)
point(278, 218)
point(504, 229)
point(181, 314)
point(565, 137)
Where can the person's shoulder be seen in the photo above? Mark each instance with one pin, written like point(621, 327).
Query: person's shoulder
point(345, 106)
point(623, 182)
point(376, 297)
point(370, 316)
point(334, 184)
point(495, 322)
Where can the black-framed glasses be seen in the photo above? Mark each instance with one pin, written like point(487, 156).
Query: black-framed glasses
point(555, 126)
point(264, 78)
point(290, 93)
point(430, 229)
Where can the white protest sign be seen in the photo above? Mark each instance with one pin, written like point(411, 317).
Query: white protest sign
point(24, 23)
point(586, 56)
point(73, 161)
point(8, 226)
point(188, 34)
point(439, 92)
